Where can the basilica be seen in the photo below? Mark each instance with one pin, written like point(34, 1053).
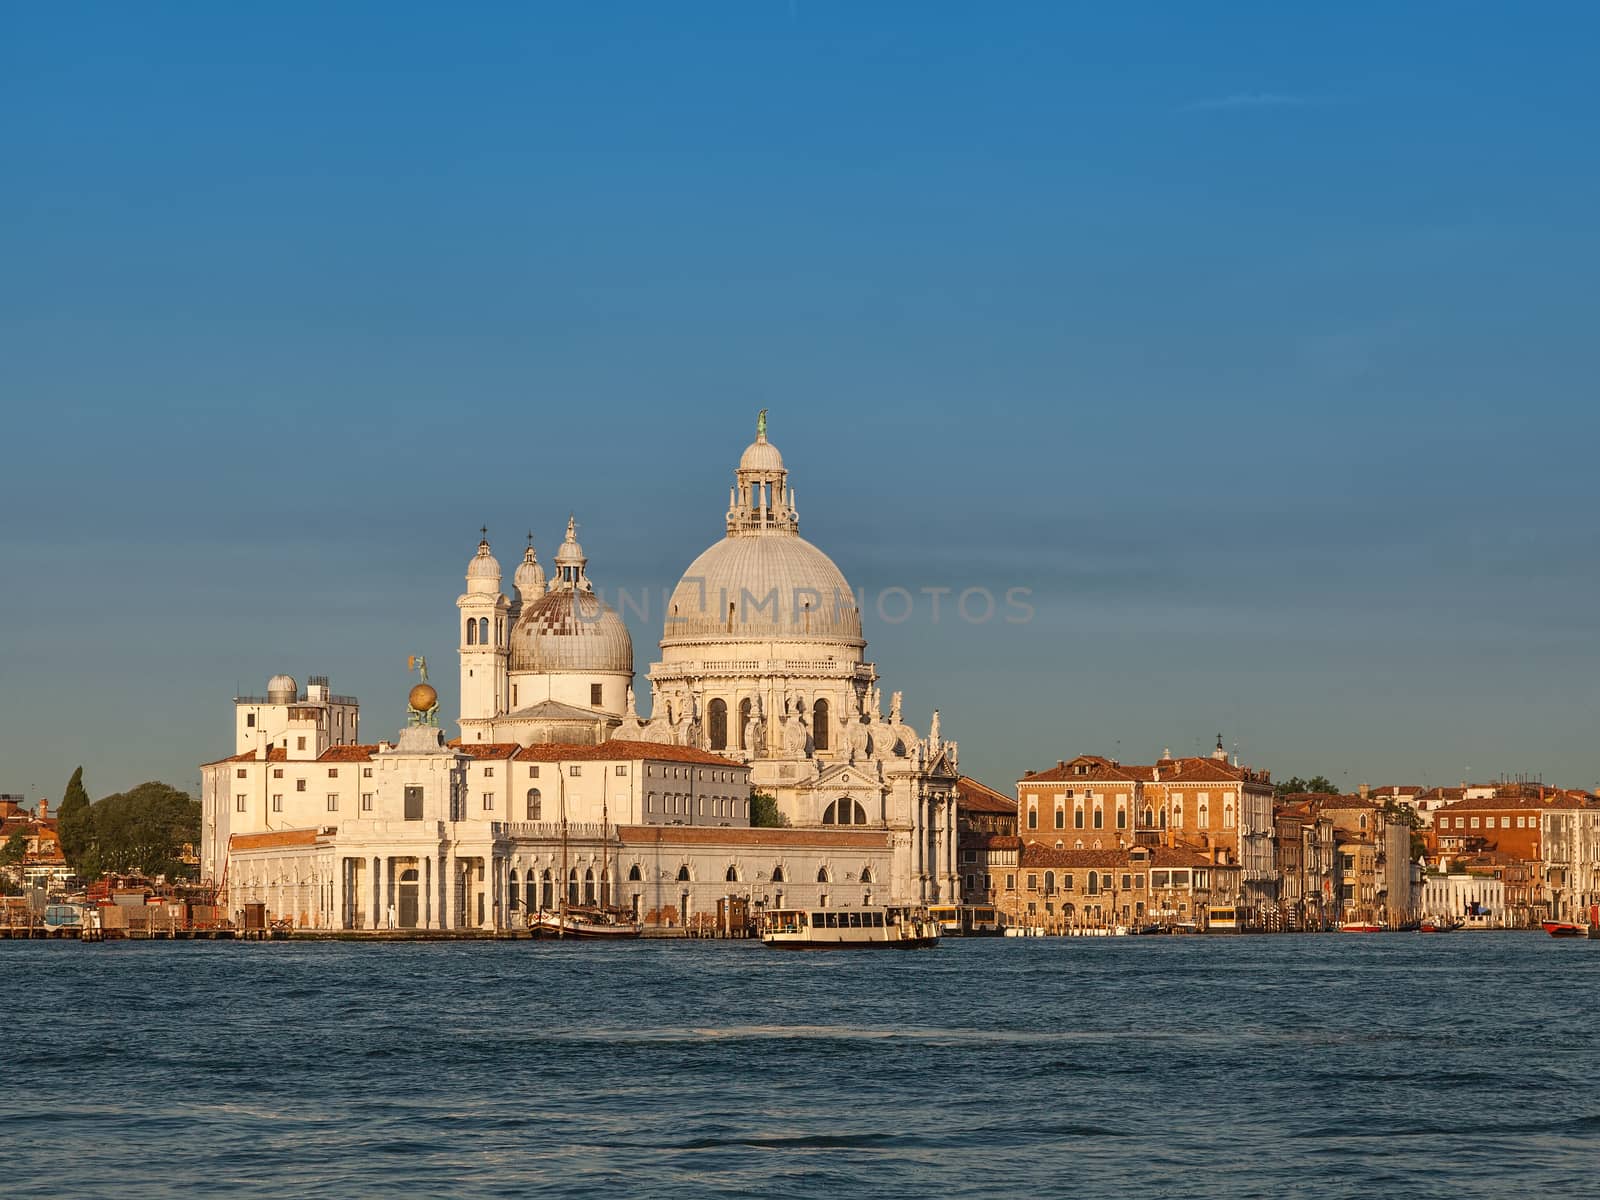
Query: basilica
point(558, 785)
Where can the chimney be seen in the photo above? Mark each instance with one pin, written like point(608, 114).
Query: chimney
point(43, 812)
point(1365, 791)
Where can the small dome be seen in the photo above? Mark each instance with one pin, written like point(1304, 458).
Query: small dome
point(282, 689)
point(529, 577)
point(483, 571)
point(761, 455)
point(571, 630)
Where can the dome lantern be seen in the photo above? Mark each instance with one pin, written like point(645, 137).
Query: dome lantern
point(760, 499)
point(529, 578)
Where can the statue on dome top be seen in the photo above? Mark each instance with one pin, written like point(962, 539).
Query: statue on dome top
point(761, 424)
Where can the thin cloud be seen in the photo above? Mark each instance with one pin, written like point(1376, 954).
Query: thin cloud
point(1243, 100)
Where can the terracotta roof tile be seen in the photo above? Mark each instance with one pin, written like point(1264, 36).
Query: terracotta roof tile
point(975, 797)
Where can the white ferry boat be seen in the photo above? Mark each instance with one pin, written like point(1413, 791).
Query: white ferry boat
point(896, 927)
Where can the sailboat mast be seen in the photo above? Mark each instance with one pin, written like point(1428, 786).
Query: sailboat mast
point(561, 794)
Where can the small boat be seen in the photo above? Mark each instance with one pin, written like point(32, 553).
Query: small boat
point(1564, 929)
point(63, 916)
point(599, 924)
point(1439, 925)
point(897, 927)
point(967, 920)
point(1360, 926)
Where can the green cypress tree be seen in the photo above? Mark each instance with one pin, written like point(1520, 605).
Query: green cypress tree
point(75, 820)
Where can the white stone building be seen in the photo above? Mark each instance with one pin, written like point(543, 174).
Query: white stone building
point(763, 683)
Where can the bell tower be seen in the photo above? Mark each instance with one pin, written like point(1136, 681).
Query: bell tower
point(485, 640)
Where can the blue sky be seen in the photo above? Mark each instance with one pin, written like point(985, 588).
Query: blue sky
point(1255, 343)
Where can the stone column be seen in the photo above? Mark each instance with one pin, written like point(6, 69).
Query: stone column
point(377, 894)
point(447, 890)
point(425, 888)
point(950, 849)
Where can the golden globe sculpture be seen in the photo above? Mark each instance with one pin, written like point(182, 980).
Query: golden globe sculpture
point(423, 698)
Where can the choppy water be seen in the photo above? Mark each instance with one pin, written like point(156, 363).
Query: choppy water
point(1330, 1066)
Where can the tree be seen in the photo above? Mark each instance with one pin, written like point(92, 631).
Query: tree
point(1319, 784)
point(143, 829)
point(16, 846)
point(764, 812)
point(74, 819)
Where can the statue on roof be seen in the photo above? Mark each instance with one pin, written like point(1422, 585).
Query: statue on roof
point(761, 424)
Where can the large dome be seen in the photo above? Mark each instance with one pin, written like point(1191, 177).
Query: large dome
point(778, 586)
point(571, 630)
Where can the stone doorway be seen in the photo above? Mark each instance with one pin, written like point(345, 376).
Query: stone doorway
point(410, 898)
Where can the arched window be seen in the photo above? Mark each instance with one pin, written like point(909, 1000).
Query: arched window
point(819, 725)
point(548, 887)
point(472, 632)
point(822, 874)
point(732, 876)
point(535, 805)
point(1163, 817)
point(1201, 817)
point(844, 811)
point(511, 893)
point(683, 873)
point(588, 885)
point(1149, 817)
point(718, 714)
point(1099, 816)
point(777, 874)
point(1122, 815)
point(483, 631)
point(1177, 814)
point(572, 886)
point(1049, 883)
point(1094, 880)
point(744, 719)
point(866, 874)
point(1227, 816)
point(633, 874)
point(1077, 815)
point(530, 890)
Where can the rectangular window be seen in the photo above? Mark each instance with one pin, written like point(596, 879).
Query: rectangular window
point(277, 802)
point(488, 772)
point(333, 772)
point(333, 801)
point(1138, 883)
point(1474, 822)
point(366, 801)
point(1033, 883)
point(277, 772)
point(594, 695)
point(488, 802)
point(574, 771)
point(299, 785)
point(1033, 818)
point(366, 772)
point(1127, 883)
point(413, 803)
point(1067, 883)
point(240, 773)
point(249, 720)
point(238, 803)
point(533, 772)
point(1061, 818)
point(299, 743)
point(1011, 883)
point(1505, 822)
point(622, 770)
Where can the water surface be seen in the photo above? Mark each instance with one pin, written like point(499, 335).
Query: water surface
point(1399, 1065)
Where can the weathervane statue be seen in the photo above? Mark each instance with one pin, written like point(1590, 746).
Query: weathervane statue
point(761, 424)
point(422, 705)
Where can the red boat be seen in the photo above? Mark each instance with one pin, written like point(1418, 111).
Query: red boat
point(1360, 927)
point(1564, 929)
point(1437, 925)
